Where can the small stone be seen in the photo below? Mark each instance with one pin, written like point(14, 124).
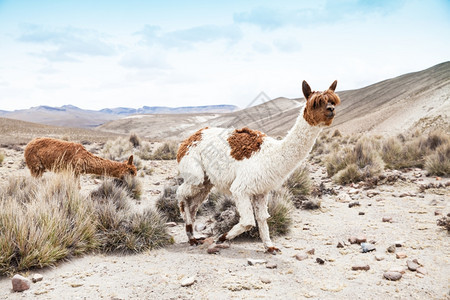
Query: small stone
point(223, 246)
point(253, 262)
point(212, 249)
point(188, 281)
point(399, 244)
point(361, 239)
point(401, 255)
point(393, 276)
point(353, 191)
point(343, 197)
point(37, 277)
point(320, 261)
point(171, 224)
point(265, 280)
point(352, 204)
point(361, 213)
point(352, 239)
point(412, 266)
point(301, 257)
point(271, 266)
point(340, 245)
point(208, 241)
point(422, 271)
point(398, 269)
point(20, 283)
point(391, 249)
point(76, 284)
point(438, 213)
point(360, 267)
point(200, 226)
point(311, 251)
point(367, 247)
point(387, 219)
point(379, 257)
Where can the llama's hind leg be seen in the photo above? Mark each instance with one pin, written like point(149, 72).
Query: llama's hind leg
point(246, 220)
point(189, 199)
point(260, 203)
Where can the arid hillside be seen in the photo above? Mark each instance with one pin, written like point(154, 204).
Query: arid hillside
point(412, 101)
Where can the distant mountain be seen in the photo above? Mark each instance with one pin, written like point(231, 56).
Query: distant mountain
point(72, 116)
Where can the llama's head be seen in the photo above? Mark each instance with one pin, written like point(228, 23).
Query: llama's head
point(320, 106)
point(127, 168)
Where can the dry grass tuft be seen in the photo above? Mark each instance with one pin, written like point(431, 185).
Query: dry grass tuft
point(167, 204)
point(438, 163)
point(135, 140)
point(167, 151)
point(444, 222)
point(118, 149)
point(2, 157)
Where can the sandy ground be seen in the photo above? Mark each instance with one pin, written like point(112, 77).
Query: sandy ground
point(158, 274)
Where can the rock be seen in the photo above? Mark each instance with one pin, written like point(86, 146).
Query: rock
point(367, 247)
point(391, 249)
point(37, 277)
point(253, 262)
point(20, 283)
point(412, 266)
point(320, 261)
point(188, 281)
point(352, 239)
point(360, 267)
point(311, 251)
point(361, 213)
point(352, 204)
point(361, 239)
point(387, 219)
point(438, 213)
point(344, 198)
point(399, 244)
point(393, 276)
point(208, 241)
point(301, 257)
point(353, 191)
point(422, 270)
point(200, 226)
point(223, 246)
point(379, 257)
point(212, 249)
point(398, 269)
point(265, 280)
point(340, 245)
point(401, 255)
point(271, 265)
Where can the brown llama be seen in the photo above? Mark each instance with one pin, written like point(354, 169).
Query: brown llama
point(44, 154)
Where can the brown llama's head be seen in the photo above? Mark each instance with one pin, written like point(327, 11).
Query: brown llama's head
point(127, 168)
point(320, 106)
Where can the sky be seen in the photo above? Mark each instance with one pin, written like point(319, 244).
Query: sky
point(105, 54)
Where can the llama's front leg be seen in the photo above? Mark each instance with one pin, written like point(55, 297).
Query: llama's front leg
point(246, 221)
point(260, 203)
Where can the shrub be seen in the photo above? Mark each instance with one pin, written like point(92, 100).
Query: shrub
point(145, 151)
point(167, 204)
point(355, 163)
point(118, 149)
point(438, 163)
point(337, 133)
point(280, 208)
point(167, 151)
point(299, 184)
point(135, 140)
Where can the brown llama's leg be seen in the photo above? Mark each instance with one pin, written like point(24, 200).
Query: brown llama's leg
point(189, 199)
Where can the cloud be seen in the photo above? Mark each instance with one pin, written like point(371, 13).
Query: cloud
point(69, 43)
point(262, 48)
point(265, 18)
point(144, 60)
point(287, 45)
point(187, 38)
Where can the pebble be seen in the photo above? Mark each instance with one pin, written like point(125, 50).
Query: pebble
point(340, 245)
point(311, 251)
point(393, 276)
point(361, 213)
point(401, 255)
point(271, 266)
point(253, 262)
point(353, 191)
point(361, 239)
point(379, 257)
point(359, 267)
point(212, 249)
point(301, 257)
point(412, 266)
point(367, 247)
point(188, 281)
point(265, 280)
point(37, 277)
point(399, 244)
point(391, 249)
point(223, 246)
point(320, 261)
point(422, 271)
point(398, 269)
point(352, 204)
point(387, 219)
point(20, 283)
point(344, 198)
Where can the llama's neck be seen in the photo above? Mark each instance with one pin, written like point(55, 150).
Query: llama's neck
point(296, 145)
point(100, 166)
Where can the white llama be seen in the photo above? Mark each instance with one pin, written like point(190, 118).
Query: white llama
point(248, 164)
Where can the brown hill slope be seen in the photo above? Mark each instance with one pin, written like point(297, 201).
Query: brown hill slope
point(412, 101)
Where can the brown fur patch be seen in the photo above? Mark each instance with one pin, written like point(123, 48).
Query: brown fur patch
point(244, 142)
point(187, 143)
point(315, 112)
point(182, 206)
point(189, 228)
point(222, 238)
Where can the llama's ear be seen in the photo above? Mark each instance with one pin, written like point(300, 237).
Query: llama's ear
point(130, 160)
point(306, 90)
point(333, 86)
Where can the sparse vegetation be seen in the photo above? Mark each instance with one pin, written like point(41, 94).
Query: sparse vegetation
point(300, 186)
point(135, 140)
point(438, 163)
point(167, 151)
point(118, 149)
point(167, 204)
point(2, 157)
point(444, 222)
point(46, 220)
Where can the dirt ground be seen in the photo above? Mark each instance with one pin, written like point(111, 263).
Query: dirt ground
point(158, 274)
